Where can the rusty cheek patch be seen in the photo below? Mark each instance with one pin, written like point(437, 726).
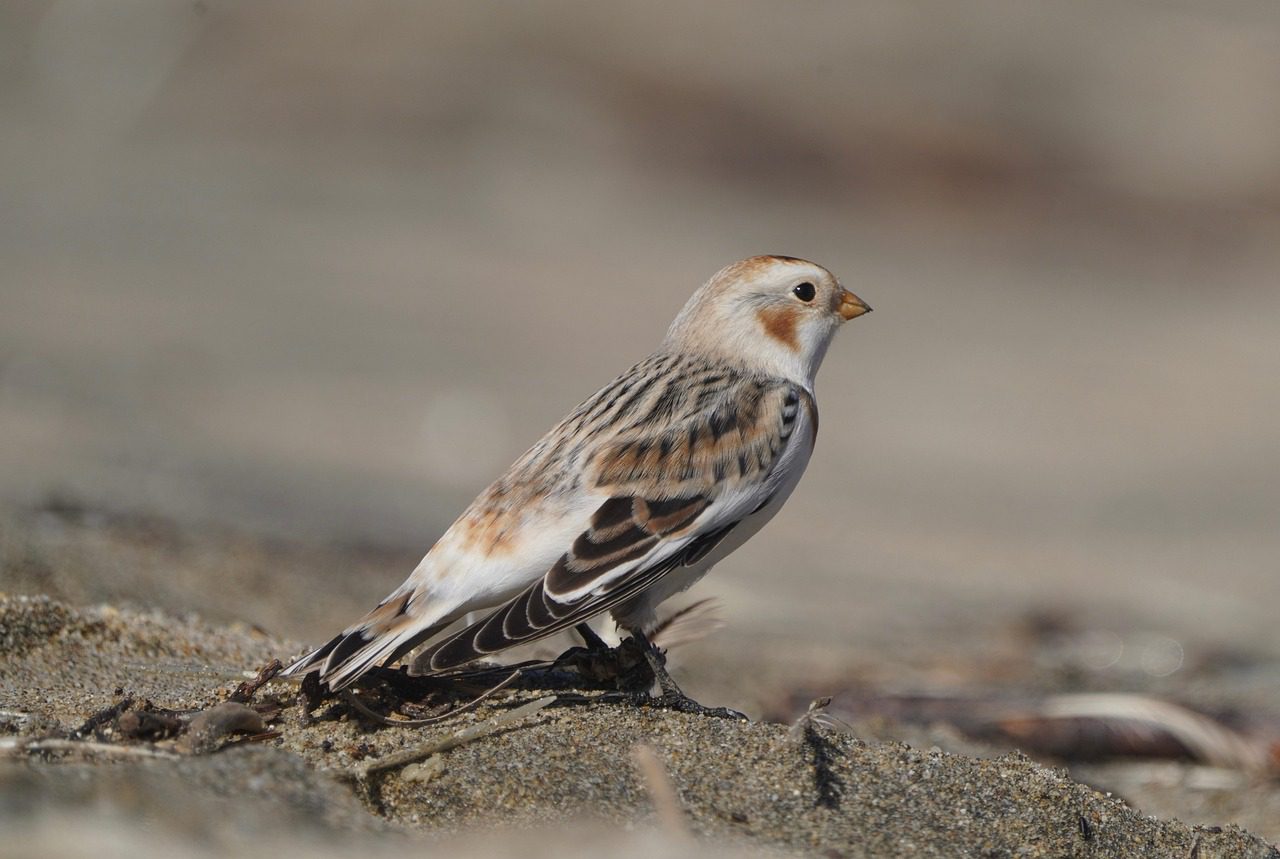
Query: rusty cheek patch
point(780, 324)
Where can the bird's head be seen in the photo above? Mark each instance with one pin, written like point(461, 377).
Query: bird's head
point(772, 313)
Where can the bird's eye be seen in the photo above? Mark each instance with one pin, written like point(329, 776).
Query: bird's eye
point(805, 291)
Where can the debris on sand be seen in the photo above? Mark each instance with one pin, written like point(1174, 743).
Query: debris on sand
point(735, 784)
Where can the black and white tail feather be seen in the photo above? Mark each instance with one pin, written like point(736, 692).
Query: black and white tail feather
point(550, 605)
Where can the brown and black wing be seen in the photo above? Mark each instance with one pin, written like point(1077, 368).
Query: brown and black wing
point(622, 530)
point(716, 463)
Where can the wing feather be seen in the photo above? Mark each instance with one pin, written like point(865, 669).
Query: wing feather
point(675, 495)
point(675, 453)
point(519, 621)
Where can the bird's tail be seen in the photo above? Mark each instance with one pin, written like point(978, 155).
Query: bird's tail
point(381, 637)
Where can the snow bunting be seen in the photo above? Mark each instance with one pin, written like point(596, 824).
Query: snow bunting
point(634, 495)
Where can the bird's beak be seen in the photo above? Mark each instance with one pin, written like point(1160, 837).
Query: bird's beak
point(851, 306)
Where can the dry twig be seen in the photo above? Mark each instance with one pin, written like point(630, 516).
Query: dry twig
point(451, 741)
point(245, 691)
point(18, 747)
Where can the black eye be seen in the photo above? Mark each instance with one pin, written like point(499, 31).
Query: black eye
point(805, 291)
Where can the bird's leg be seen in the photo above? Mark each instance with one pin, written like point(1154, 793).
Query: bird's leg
point(597, 662)
point(590, 638)
point(672, 698)
point(658, 665)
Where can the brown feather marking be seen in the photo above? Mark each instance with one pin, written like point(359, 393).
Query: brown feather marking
point(667, 517)
point(385, 616)
point(487, 528)
point(752, 266)
point(780, 324)
point(577, 565)
point(586, 556)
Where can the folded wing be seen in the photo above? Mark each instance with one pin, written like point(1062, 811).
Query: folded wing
point(674, 494)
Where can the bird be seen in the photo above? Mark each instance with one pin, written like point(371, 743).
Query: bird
point(634, 495)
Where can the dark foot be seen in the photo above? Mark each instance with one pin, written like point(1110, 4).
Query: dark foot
point(622, 667)
point(589, 637)
point(672, 698)
point(682, 703)
point(678, 703)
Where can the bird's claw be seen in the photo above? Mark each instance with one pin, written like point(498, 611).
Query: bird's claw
point(682, 703)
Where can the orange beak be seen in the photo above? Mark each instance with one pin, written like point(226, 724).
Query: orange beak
point(851, 306)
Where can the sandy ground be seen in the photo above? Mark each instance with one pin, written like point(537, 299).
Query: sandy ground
point(739, 785)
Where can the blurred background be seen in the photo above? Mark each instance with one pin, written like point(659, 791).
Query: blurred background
point(316, 272)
